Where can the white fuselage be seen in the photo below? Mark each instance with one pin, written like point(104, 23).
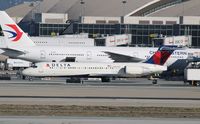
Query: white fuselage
point(56, 41)
point(97, 54)
point(81, 54)
point(60, 69)
point(62, 41)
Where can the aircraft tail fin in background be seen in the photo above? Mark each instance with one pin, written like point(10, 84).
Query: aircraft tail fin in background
point(14, 36)
point(161, 55)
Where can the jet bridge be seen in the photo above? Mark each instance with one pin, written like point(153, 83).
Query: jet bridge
point(115, 40)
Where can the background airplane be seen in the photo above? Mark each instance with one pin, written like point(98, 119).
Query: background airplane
point(56, 41)
point(19, 45)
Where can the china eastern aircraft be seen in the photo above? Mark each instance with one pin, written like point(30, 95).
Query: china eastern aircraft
point(101, 70)
point(20, 46)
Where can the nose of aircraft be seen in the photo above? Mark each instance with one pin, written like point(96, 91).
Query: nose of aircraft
point(27, 72)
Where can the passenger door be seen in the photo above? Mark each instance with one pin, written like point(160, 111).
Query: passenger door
point(89, 55)
point(42, 54)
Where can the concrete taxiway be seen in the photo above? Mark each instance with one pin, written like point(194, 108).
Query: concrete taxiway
point(119, 98)
point(94, 93)
point(80, 120)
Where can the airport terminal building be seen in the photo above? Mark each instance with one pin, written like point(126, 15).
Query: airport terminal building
point(144, 19)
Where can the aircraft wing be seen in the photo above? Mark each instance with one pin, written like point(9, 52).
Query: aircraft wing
point(123, 58)
point(11, 52)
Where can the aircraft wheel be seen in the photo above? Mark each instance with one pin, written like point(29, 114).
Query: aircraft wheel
point(23, 77)
point(154, 81)
point(73, 80)
point(104, 79)
point(30, 78)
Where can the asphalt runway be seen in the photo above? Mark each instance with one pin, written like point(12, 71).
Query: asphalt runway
point(138, 92)
point(93, 120)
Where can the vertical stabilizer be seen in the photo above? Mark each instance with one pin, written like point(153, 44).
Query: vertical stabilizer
point(161, 55)
point(15, 38)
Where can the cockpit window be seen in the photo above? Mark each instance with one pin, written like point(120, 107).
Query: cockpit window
point(34, 66)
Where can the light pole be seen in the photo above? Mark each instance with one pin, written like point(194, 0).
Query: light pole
point(82, 8)
point(124, 7)
point(82, 12)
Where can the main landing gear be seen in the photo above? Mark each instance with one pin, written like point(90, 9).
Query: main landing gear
point(74, 80)
point(105, 79)
point(80, 80)
point(154, 80)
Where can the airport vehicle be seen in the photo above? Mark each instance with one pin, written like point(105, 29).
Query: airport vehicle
point(191, 74)
point(102, 70)
point(17, 64)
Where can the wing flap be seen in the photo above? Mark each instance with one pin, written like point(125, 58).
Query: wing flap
point(123, 58)
point(12, 52)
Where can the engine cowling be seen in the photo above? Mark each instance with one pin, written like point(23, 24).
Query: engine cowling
point(140, 70)
point(134, 70)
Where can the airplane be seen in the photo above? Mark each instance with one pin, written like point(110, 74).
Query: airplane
point(101, 70)
point(20, 46)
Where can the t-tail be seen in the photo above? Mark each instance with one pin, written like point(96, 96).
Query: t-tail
point(161, 55)
point(15, 38)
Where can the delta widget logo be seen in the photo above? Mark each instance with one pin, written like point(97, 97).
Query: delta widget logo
point(161, 57)
point(16, 34)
